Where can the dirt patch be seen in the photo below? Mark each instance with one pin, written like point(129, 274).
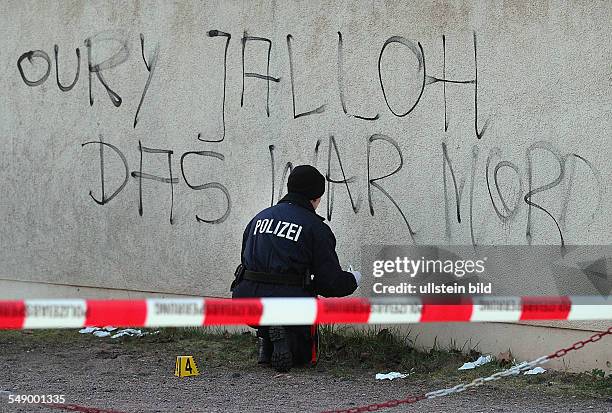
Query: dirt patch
point(136, 375)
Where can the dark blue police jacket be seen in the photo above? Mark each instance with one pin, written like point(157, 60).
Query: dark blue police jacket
point(290, 238)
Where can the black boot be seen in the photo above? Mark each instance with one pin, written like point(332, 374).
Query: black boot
point(264, 351)
point(282, 358)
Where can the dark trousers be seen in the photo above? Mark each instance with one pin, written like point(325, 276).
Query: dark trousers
point(303, 341)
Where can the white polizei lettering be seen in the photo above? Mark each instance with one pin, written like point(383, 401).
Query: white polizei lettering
point(281, 233)
point(277, 225)
point(269, 226)
point(264, 223)
point(297, 235)
point(290, 232)
point(257, 224)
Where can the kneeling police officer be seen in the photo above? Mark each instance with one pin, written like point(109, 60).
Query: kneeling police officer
point(288, 251)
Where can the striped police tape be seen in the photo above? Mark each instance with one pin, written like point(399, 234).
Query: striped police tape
point(184, 312)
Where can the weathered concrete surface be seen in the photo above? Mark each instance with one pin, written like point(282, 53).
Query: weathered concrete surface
point(526, 342)
point(544, 86)
point(543, 76)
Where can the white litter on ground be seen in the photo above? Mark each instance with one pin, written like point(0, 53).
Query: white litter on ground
point(479, 362)
point(106, 332)
point(537, 370)
point(88, 330)
point(131, 332)
point(390, 376)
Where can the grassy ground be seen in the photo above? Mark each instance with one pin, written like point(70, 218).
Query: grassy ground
point(345, 353)
point(348, 350)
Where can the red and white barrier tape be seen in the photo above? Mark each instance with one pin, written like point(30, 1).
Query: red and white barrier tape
point(184, 312)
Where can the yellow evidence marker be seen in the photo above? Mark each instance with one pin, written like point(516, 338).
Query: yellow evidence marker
point(185, 366)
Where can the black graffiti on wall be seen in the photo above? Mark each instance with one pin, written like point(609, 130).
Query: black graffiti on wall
point(116, 41)
point(246, 38)
point(319, 110)
point(150, 66)
point(120, 55)
point(286, 171)
point(573, 159)
point(209, 185)
point(373, 182)
point(341, 75)
point(170, 179)
point(331, 183)
point(429, 80)
point(167, 180)
point(104, 199)
point(507, 213)
point(562, 161)
point(34, 68)
point(420, 55)
point(76, 76)
point(217, 33)
point(453, 183)
point(31, 55)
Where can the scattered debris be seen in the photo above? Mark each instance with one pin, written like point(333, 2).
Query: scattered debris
point(88, 330)
point(106, 332)
point(130, 332)
point(537, 370)
point(479, 362)
point(390, 376)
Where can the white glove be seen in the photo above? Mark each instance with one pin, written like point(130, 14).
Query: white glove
point(356, 274)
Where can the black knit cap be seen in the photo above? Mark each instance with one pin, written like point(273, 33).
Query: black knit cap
point(307, 181)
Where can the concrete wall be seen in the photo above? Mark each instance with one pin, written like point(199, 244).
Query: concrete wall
point(541, 72)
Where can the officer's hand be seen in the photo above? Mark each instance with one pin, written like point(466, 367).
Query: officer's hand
point(357, 276)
